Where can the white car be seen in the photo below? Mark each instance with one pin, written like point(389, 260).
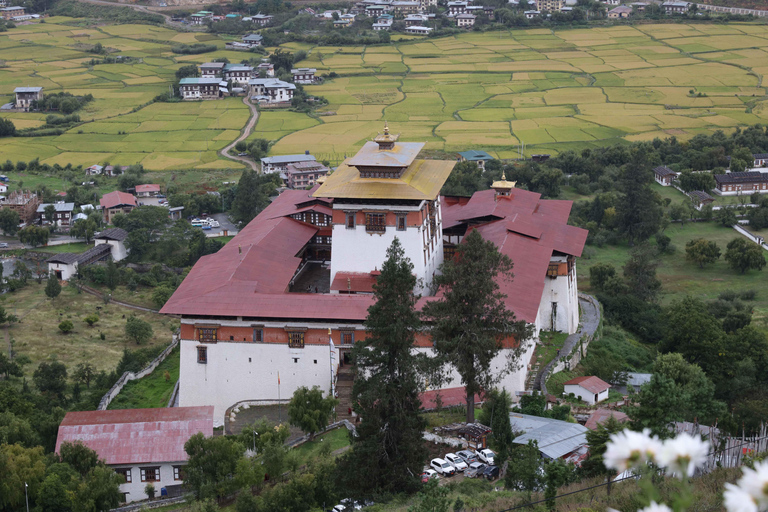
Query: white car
point(428, 475)
point(486, 456)
point(456, 461)
point(443, 467)
point(214, 223)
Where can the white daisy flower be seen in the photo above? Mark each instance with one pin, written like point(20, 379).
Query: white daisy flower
point(656, 507)
point(628, 449)
point(683, 454)
point(755, 483)
point(738, 500)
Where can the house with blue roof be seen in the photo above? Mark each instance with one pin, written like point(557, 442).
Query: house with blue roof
point(479, 157)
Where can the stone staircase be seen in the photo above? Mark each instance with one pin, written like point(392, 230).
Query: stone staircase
point(346, 375)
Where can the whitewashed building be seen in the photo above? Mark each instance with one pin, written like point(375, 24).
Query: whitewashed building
point(271, 90)
point(279, 163)
point(144, 446)
point(590, 389)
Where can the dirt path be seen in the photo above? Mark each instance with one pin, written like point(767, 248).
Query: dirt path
point(143, 8)
point(246, 133)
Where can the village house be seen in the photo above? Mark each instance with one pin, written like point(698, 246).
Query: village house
point(589, 389)
point(238, 73)
point(619, 12)
point(700, 199)
point(382, 25)
point(62, 217)
point(8, 13)
point(414, 19)
point(600, 416)
point(479, 157)
point(737, 183)
point(147, 190)
point(110, 243)
point(426, 4)
point(531, 14)
point(26, 95)
point(418, 30)
point(200, 17)
point(465, 20)
point(347, 17)
point(262, 19)
point(116, 202)
point(23, 203)
point(270, 90)
point(272, 164)
point(405, 7)
point(267, 69)
point(550, 5)
point(304, 174)
point(640, 6)
point(664, 175)
point(761, 160)
point(207, 88)
point(4, 189)
point(385, 18)
point(99, 170)
point(373, 11)
point(263, 304)
point(303, 75)
point(212, 69)
point(341, 23)
point(252, 40)
point(143, 446)
point(611, 2)
point(676, 7)
point(556, 439)
point(455, 8)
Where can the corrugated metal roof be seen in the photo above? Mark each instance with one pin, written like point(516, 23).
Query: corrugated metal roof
point(131, 436)
point(600, 416)
point(555, 438)
point(117, 198)
point(112, 234)
point(401, 155)
point(591, 383)
point(60, 207)
point(284, 159)
point(25, 89)
point(148, 187)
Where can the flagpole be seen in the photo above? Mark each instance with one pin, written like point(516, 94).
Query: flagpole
point(279, 408)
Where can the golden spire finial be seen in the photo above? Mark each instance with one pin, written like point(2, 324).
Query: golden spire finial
point(503, 176)
point(386, 128)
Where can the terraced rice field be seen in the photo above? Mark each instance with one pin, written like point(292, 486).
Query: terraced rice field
point(551, 90)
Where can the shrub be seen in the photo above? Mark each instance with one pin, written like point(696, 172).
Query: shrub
point(66, 326)
point(91, 319)
point(193, 49)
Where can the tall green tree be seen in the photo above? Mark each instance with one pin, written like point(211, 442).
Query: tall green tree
point(695, 333)
point(212, 464)
point(640, 272)
point(598, 441)
point(51, 378)
point(471, 323)
point(659, 405)
point(52, 287)
point(639, 211)
point(743, 255)
point(388, 454)
point(9, 221)
point(309, 410)
point(252, 195)
point(111, 276)
point(495, 414)
point(524, 469)
point(138, 330)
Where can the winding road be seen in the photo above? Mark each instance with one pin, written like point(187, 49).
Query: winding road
point(246, 132)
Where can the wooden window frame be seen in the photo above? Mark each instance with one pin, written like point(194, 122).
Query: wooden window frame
point(258, 334)
point(202, 355)
point(144, 474)
point(177, 474)
point(553, 269)
point(349, 333)
point(375, 222)
point(401, 222)
point(208, 334)
point(125, 473)
point(350, 220)
point(296, 339)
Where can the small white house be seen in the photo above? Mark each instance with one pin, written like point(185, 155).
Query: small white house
point(590, 389)
point(115, 238)
point(142, 445)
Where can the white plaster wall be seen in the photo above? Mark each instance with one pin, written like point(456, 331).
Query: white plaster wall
point(119, 251)
point(248, 371)
point(581, 393)
point(67, 271)
point(135, 488)
point(564, 291)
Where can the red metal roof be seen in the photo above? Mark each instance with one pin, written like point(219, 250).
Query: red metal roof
point(117, 198)
point(592, 384)
point(250, 276)
point(600, 416)
point(353, 281)
point(136, 436)
point(151, 187)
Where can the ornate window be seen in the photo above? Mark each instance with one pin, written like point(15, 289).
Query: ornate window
point(350, 220)
point(150, 474)
point(347, 337)
point(375, 222)
point(296, 339)
point(207, 334)
point(202, 355)
point(125, 473)
point(178, 473)
point(552, 269)
point(401, 221)
point(258, 335)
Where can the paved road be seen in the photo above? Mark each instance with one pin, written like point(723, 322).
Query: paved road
point(590, 320)
point(246, 132)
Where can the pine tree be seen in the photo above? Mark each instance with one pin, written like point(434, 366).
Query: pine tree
point(471, 322)
point(638, 212)
point(52, 287)
point(388, 454)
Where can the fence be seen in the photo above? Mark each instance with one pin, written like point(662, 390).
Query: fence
point(757, 239)
point(580, 350)
point(727, 451)
point(129, 376)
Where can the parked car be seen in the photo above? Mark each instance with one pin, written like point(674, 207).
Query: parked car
point(468, 456)
point(486, 455)
point(475, 470)
point(429, 474)
point(443, 467)
point(347, 505)
point(491, 473)
point(213, 223)
point(3, 245)
point(456, 461)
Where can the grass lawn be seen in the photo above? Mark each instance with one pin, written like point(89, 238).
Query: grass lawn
point(555, 383)
point(152, 390)
point(336, 438)
point(37, 334)
point(58, 249)
point(446, 416)
point(142, 296)
point(551, 342)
